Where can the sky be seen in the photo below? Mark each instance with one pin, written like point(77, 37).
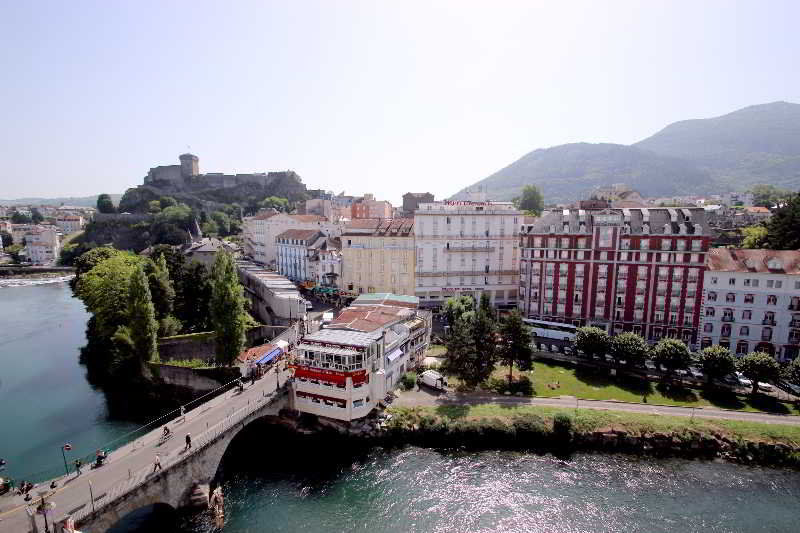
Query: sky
point(383, 96)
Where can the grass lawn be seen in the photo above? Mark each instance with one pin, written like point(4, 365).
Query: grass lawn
point(596, 384)
point(435, 350)
point(586, 420)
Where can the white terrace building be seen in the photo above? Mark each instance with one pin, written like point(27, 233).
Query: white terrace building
point(752, 301)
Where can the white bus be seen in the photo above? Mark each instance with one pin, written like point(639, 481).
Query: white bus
point(551, 330)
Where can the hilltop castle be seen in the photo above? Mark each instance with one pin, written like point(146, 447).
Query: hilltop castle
point(187, 175)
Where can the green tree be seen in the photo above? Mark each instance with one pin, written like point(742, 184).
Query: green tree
point(166, 201)
point(754, 236)
point(716, 362)
point(105, 205)
point(36, 216)
point(142, 317)
point(765, 195)
point(228, 315)
point(759, 366)
point(275, 202)
point(194, 299)
point(515, 343)
point(223, 222)
point(782, 227)
point(629, 347)
point(90, 259)
point(531, 201)
point(456, 307)
point(210, 228)
point(154, 207)
point(791, 372)
point(161, 289)
point(20, 218)
point(592, 341)
point(672, 354)
point(484, 334)
point(15, 251)
point(6, 239)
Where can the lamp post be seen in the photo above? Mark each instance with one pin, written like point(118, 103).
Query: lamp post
point(65, 448)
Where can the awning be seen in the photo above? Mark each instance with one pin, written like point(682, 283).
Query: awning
point(269, 356)
point(394, 354)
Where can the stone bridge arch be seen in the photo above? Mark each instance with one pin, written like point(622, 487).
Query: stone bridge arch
point(173, 485)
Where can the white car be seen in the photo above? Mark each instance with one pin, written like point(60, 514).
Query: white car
point(650, 365)
point(743, 381)
point(696, 373)
point(765, 386)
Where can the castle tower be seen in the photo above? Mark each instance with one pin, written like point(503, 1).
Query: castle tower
point(190, 166)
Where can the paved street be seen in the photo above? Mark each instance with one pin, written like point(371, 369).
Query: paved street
point(136, 457)
point(427, 398)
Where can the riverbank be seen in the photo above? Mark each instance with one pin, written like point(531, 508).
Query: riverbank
point(565, 431)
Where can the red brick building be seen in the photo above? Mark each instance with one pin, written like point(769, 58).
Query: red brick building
point(638, 269)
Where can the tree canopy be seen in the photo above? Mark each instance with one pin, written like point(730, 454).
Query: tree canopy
point(759, 366)
point(766, 195)
point(754, 236)
point(716, 362)
point(592, 341)
point(629, 347)
point(104, 204)
point(228, 312)
point(142, 325)
point(515, 343)
point(531, 201)
point(672, 354)
point(782, 227)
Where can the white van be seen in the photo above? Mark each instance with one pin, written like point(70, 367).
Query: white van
point(433, 379)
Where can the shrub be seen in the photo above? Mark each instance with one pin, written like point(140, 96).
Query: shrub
point(408, 380)
point(562, 428)
point(529, 428)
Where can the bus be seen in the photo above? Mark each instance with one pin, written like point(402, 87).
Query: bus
point(551, 330)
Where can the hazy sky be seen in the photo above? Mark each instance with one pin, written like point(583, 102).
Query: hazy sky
point(383, 97)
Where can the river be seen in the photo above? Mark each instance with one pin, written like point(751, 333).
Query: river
point(277, 482)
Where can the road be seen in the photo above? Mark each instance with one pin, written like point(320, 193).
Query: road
point(72, 492)
point(431, 399)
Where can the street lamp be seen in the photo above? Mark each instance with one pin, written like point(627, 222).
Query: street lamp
point(65, 448)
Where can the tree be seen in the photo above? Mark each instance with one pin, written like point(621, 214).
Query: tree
point(791, 372)
point(515, 343)
point(672, 354)
point(484, 333)
point(531, 201)
point(629, 347)
point(275, 202)
point(765, 195)
point(20, 218)
point(154, 207)
point(716, 362)
point(456, 307)
point(592, 341)
point(36, 216)
point(759, 366)
point(6, 239)
point(782, 227)
point(142, 318)
point(161, 289)
point(194, 299)
point(90, 259)
point(167, 201)
point(228, 315)
point(105, 205)
point(223, 222)
point(754, 236)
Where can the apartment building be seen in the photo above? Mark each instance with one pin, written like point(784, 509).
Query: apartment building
point(369, 207)
point(470, 248)
point(638, 270)
point(343, 371)
point(259, 232)
point(752, 301)
point(378, 256)
point(295, 252)
point(69, 223)
point(325, 262)
point(42, 245)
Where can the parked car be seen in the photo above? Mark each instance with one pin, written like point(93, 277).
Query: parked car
point(765, 386)
point(696, 373)
point(649, 364)
point(743, 381)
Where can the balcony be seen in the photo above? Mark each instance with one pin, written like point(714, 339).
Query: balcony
point(728, 318)
point(470, 249)
point(768, 322)
point(794, 306)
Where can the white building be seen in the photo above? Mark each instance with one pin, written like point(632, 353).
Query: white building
point(42, 245)
point(69, 223)
point(345, 370)
point(325, 262)
point(467, 248)
point(260, 232)
point(294, 253)
point(752, 301)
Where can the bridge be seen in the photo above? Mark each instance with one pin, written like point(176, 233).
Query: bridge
point(100, 497)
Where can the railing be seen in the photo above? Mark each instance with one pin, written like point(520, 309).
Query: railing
point(728, 319)
point(139, 478)
point(768, 322)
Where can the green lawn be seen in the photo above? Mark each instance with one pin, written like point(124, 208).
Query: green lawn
point(553, 379)
point(435, 350)
point(586, 420)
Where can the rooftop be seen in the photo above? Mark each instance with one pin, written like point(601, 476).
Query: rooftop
point(658, 220)
point(367, 318)
point(299, 234)
point(385, 227)
point(759, 261)
point(387, 298)
point(343, 337)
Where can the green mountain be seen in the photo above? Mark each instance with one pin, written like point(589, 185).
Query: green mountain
point(757, 144)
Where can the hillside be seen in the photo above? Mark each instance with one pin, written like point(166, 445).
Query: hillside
point(571, 171)
point(757, 144)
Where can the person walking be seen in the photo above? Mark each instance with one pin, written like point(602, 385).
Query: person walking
point(78, 464)
point(188, 442)
point(156, 463)
point(183, 413)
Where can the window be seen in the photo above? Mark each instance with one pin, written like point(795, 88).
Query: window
point(606, 234)
point(697, 244)
point(742, 348)
point(644, 244)
point(726, 330)
point(709, 311)
point(666, 244)
point(730, 297)
point(744, 331)
point(778, 284)
point(766, 334)
point(713, 280)
point(712, 296)
point(747, 282)
point(731, 281)
point(747, 314)
point(708, 327)
point(797, 285)
point(772, 299)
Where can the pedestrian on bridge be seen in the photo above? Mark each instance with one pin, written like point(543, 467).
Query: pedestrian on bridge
point(188, 442)
point(78, 464)
point(156, 463)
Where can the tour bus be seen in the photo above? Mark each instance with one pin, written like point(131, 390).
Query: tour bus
point(551, 330)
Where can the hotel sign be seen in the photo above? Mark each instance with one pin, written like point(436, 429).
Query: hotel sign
point(464, 202)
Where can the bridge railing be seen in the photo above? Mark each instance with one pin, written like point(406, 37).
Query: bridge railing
point(205, 438)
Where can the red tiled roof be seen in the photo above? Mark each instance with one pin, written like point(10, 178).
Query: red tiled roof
point(308, 218)
point(255, 352)
point(302, 234)
point(368, 318)
point(733, 260)
point(757, 210)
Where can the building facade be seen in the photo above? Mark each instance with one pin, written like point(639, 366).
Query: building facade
point(42, 245)
point(369, 207)
point(378, 256)
point(638, 270)
point(752, 301)
point(411, 201)
point(259, 232)
point(69, 223)
point(467, 248)
point(343, 371)
point(294, 253)
point(325, 262)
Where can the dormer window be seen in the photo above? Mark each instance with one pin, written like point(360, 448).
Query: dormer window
point(775, 264)
point(667, 229)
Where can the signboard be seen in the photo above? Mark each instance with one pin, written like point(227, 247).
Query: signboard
point(465, 202)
